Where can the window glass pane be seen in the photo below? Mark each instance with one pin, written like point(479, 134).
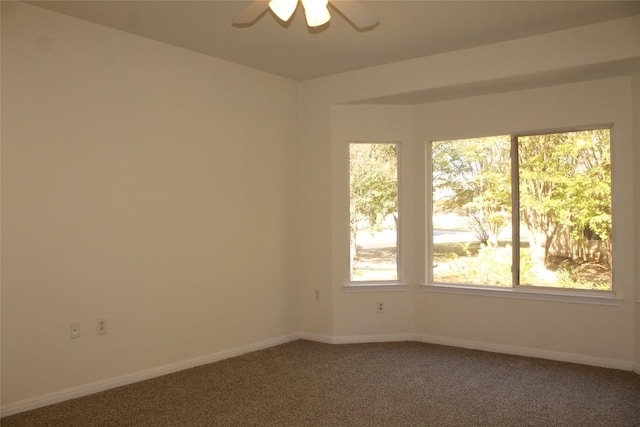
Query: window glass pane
point(471, 211)
point(373, 179)
point(565, 209)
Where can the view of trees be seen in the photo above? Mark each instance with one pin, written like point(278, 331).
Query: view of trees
point(565, 184)
point(373, 200)
point(560, 195)
point(474, 176)
point(564, 197)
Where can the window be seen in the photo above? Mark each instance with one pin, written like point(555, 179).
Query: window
point(552, 197)
point(374, 219)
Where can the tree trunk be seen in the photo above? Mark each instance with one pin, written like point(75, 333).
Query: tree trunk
point(354, 244)
point(395, 221)
point(538, 248)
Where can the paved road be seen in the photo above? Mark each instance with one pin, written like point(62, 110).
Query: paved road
point(387, 238)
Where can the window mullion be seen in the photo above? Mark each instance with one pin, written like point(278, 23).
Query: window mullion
point(515, 212)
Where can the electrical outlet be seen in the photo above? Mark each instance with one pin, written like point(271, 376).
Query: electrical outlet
point(75, 330)
point(380, 307)
point(317, 294)
point(101, 326)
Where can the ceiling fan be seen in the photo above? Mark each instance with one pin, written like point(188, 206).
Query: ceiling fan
point(316, 12)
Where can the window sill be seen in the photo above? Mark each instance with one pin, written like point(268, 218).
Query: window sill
point(527, 294)
point(375, 287)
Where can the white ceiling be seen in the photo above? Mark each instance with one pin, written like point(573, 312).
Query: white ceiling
point(407, 29)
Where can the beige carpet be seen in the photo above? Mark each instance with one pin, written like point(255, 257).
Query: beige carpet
point(305, 383)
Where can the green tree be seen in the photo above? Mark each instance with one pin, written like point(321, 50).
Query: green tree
point(373, 183)
point(565, 181)
point(591, 193)
point(564, 184)
point(472, 177)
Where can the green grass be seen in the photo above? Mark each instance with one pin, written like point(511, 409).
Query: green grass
point(446, 251)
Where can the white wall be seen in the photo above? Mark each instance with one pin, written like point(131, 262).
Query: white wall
point(600, 332)
point(142, 183)
point(636, 157)
point(522, 325)
point(355, 316)
point(198, 204)
point(551, 62)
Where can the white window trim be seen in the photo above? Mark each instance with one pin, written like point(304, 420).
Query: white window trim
point(376, 286)
point(386, 285)
point(516, 290)
point(528, 293)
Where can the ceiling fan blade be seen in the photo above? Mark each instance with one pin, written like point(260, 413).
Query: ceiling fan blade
point(356, 12)
point(251, 13)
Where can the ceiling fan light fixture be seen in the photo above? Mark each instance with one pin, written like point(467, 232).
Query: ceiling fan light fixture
point(283, 8)
point(316, 12)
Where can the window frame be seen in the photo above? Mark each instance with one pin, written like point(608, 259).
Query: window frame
point(516, 290)
point(376, 285)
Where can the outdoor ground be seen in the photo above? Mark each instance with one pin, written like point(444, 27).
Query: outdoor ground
point(456, 259)
point(379, 264)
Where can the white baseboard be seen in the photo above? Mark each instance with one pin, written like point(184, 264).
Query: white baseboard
point(98, 386)
point(479, 345)
point(359, 339)
point(317, 337)
point(528, 352)
point(356, 339)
